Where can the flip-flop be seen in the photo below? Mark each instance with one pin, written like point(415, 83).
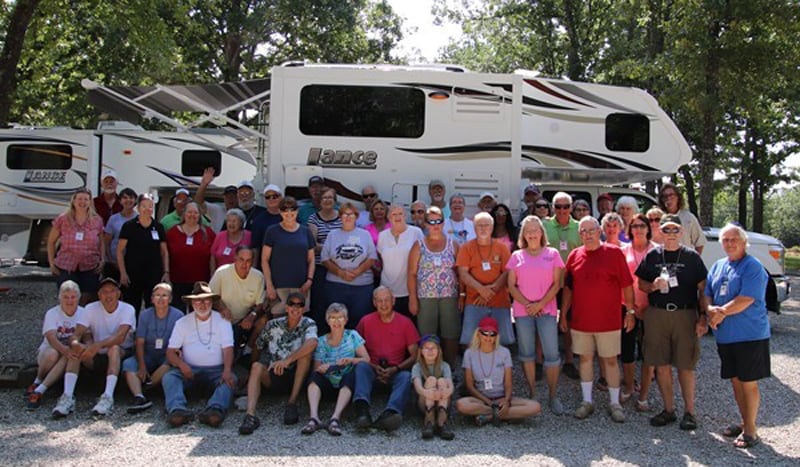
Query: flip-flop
point(746, 441)
point(732, 431)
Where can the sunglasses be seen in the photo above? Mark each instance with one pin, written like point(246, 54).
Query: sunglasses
point(289, 209)
point(272, 196)
point(670, 230)
point(295, 304)
point(654, 219)
point(541, 205)
point(435, 221)
point(638, 226)
point(369, 195)
point(488, 333)
point(562, 206)
point(417, 211)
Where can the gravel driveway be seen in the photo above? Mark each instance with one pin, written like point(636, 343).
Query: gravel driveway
point(34, 438)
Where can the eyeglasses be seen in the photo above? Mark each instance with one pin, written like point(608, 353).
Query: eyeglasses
point(348, 214)
point(337, 318)
point(488, 333)
point(483, 225)
point(588, 231)
point(501, 213)
point(289, 209)
point(654, 219)
point(541, 205)
point(638, 226)
point(295, 304)
point(272, 196)
point(434, 221)
point(417, 211)
point(670, 230)
point(562, 206)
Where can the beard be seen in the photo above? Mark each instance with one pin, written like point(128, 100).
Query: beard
point(203, 314)
point(247, 205)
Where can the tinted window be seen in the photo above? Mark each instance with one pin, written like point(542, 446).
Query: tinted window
point(371, 111)
point(193, 163)
point(39, 157)
point(627, 132)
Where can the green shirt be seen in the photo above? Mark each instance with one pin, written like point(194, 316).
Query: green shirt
point(172, 219)
point(563, 238)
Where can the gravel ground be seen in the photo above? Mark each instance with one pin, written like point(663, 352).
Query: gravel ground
point(34, 438)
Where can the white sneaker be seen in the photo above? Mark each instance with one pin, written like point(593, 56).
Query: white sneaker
point(241, 403)
point(64, 407)
point(103, 406)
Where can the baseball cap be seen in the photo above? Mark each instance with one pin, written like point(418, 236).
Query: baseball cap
point(109, 173)
point(182, 190)
point(671, 219)
point(245, 184)
point(436, 182)
point(603, 196)
point(273, 187)
point(316, 179)
point(532, 188)
point(108, 280)
point(488, 324)
point(488, 194)
point(230, 189)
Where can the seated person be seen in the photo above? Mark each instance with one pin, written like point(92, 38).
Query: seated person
point(149, 364)
point(391, 341)
point(54, 352)
point(336, 355)
point(282, 359)
point(102, 339)
point(433, 381)
point(200, 351)
point(487, 377)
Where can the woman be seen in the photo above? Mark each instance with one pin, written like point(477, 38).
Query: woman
point(286, 245)
point(627, 208)
point(223, 250)
point(433, 381)
point(541, 209)
point(504, 230)
point(149, 364)
point(378, 219)
point(336, 355)
point(580, 209)
point(127, 199)
point(487, 378)
point(613, 225)
point(535, 273)
point(738, 314)
point(142, 254)
point(394, 245)
point(321, 223)
point(433, 285)
point(81, 249)
point(348, 256)
point(670, 200)
point(654, 216)
point(190, 257)
point(640, 233)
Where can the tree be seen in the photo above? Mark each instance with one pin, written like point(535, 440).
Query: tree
point(16, 26)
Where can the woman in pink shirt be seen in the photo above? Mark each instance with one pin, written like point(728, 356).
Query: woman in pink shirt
point(223, 251)
point(78, 232)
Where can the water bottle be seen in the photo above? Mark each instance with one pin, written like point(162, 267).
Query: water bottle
point(665, 275)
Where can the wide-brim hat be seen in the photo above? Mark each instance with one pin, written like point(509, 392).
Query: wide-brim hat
point(200, 291)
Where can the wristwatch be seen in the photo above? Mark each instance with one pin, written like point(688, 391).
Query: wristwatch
point(631, 311)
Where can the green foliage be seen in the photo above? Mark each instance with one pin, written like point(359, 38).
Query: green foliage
point(785, 211)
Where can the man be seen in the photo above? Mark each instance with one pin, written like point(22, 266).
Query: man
point(481, 268)
point(418, 209)
point(562, 234)
point(605, 204)
point(436, 191)
point(674, 276)
point(368, 195)
point(530, 195)
point(201, 353)
point(242, 292)
point(315, 186)
point(102, 339)
point(266, 219)
point(391, 341)
point(180, 201)
point(457, 227)
point(596, 277)
point(487, 201)
point(281, 360)
point(670, 200)
point(107, 202)
point(54, 352)
point(247, 203)
point(215, 211)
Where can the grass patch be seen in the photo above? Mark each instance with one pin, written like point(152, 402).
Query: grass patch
point(792, 261)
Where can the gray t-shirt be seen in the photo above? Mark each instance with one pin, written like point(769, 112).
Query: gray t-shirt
point(488, 370)
point(348, 250)
point(151, 329)
point(416, 371)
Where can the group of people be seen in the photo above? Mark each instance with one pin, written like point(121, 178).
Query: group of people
point(341, 299)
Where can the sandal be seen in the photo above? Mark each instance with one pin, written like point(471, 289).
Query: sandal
point(688, 422)
point(746, 441)
point(482, 420)
point(333, 427)
point(732, 431)
point(311, 427)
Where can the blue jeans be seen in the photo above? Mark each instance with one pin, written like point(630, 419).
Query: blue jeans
point(546, 328)
point(357, 299)
point(400, 386)
point(209, 376)
point(473, 314)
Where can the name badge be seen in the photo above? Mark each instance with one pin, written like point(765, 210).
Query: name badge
point(437, 261)
point(487, 384)
point(562, 245)
point(154, 233)
point(79, 236)
point(159, 344)
point(226, 251)
point(673, 281)
point(190, 240)
point(723, 289)
point(486, 266)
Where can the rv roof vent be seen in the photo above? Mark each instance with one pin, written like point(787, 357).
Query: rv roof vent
point(293, 63)
point(118, 125)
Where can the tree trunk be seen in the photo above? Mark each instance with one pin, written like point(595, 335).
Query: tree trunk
point(18, 23)
point(575, 69)
point(759, 180)
point(745, 174)
point(691, 196)
point(708, 138)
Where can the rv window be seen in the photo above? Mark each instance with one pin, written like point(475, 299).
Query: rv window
point(39, 157)
point(194, 162)
point(627, 132)
point(371, 111)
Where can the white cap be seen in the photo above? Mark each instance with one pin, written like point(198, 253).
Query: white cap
point(273, 187)
point(109, 173)
point(182, 190)
point(489, 194)
point(245, 184)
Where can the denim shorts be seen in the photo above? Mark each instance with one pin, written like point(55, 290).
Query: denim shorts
point(151, 362)
point(546, 327)
point(473, 314)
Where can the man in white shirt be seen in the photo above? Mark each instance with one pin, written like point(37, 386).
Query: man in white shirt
point(102, 339)
point(201, 352)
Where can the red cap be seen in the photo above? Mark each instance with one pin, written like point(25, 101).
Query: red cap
point(488, 324)
point(607, 196)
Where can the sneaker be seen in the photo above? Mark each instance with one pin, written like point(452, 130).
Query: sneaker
point(140, 404)
point(570, 371)
point(642, 406)
point(586, 409)
point(34, 400)
point(556, 406)
point(389, 420)
point(212, 417)
point(602, 384)
point(663, 418)
point(64, 407)
point(688, 422)
point(290, 414)
point(103, 406)
point(241, 403)
point(249, 425)
point(363, 419)
point(179, 417)
point(616, 412)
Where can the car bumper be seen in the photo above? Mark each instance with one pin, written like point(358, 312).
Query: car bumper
point(783, 287)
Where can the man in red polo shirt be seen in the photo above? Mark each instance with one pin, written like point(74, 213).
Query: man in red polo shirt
point(107, 202)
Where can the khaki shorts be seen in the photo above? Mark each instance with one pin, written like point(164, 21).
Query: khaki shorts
point(279, 307)
point(671, 338)
point(606, 344)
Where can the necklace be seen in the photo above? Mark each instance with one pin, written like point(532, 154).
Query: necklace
point(210, 330)
point(480, 362)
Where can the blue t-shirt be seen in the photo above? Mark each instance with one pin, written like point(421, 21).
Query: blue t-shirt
point(113, 228)
point(151, 328)
point(259, 227)
point(287, 261)
point(745, 277)
point(326, 354)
